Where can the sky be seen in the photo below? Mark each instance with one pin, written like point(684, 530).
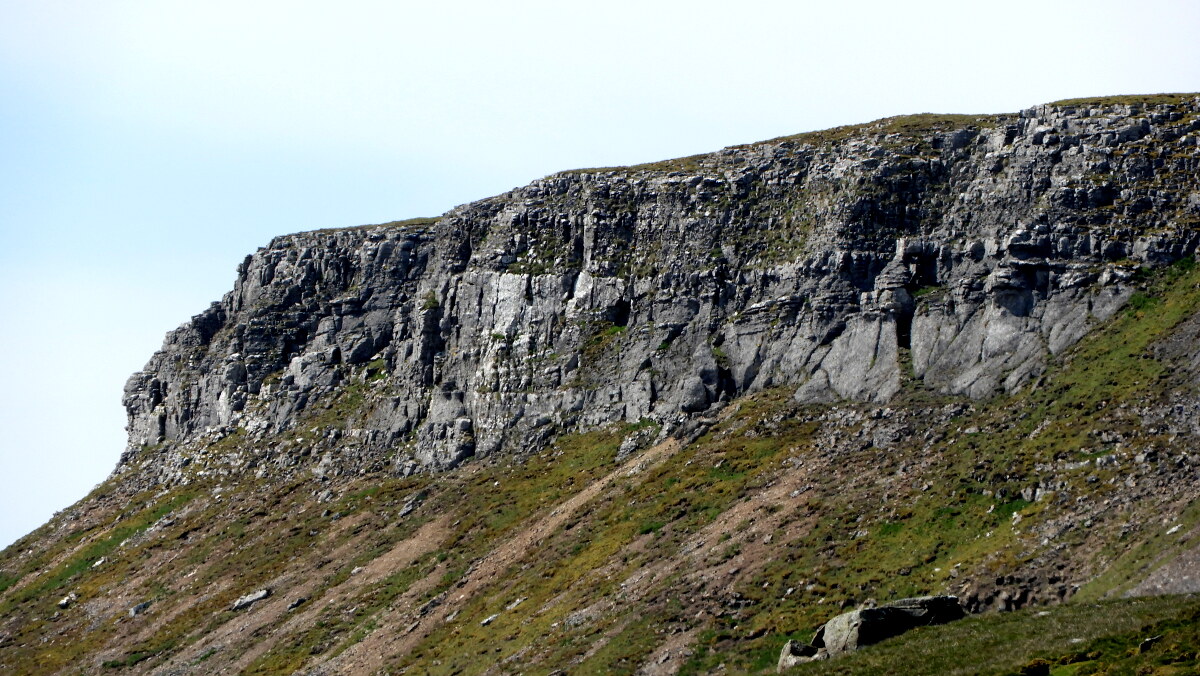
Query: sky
point(147, 147)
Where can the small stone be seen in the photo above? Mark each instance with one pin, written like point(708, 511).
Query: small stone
point(250, 599)
point(795, 652)
point(139, 609)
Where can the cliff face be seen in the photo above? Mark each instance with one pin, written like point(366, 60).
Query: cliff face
point(957, 250)
point(709, 403)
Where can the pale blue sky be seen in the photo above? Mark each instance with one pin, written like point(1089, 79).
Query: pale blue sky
point(147, 147)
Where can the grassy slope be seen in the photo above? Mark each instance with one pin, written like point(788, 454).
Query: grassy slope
point(707, 544)
point(694, 523)
point(902, 125)
point(1068, 640)
point(845, 523)
point(1128, 100)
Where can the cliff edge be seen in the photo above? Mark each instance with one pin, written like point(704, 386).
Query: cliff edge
point(959, 251)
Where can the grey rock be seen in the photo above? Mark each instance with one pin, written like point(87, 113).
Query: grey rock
point(139, 608)
point(66, 601)
point(694, 396)
point(636, 442)
point(587, 298)
point(850, 631)
point(250, 599)
point(411, 504)
point(795, 652)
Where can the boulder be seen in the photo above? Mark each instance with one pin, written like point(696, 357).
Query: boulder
point(850, 631)
point(66, 601)
point(694, 396)
point(795, 652)
point(250, 599)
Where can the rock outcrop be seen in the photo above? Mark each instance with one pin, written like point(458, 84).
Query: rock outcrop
point(850, 631)
point(959, 251)
point(278, 512)
point(866, 626)
point(244, 602)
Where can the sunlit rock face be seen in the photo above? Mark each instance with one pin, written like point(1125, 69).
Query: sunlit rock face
point(957, 251)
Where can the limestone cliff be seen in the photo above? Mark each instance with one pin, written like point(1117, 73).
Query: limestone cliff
point(957, 250)
point(698, 408)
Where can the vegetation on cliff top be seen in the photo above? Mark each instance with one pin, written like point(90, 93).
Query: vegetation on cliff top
point(1128, 100)
point(914, 125)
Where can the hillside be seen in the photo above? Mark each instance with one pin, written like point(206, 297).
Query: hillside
point(660, 419)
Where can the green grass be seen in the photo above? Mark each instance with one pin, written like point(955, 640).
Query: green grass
point(906, 125)
point(599, 337)
point(630, 511)
point(277, 546)
point(593, 540)
point(139, 655)
point(1113, 354)
point(417, 223)
point(377, 370)
point(837, 543)
point(624, 653)
point(115, 543)
point(69, 571)
point(1143, 556)
point(337, 630)
point(1128, 99)
point(921, 124)
point(430, 302)
point(689, 164)
point(912, 126)
point(493, 501)
point(955, 521)
point(1103, 634)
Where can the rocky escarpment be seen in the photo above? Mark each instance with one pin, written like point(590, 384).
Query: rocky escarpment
point(796, 372)
point(957, 250)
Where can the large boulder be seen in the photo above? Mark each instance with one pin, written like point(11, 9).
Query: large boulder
point(850, 631)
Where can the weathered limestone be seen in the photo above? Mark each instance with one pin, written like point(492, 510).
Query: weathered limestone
point(795, 652)
point(244, 602)
point(866, 626)
point(850, 631)
point(961, 258)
